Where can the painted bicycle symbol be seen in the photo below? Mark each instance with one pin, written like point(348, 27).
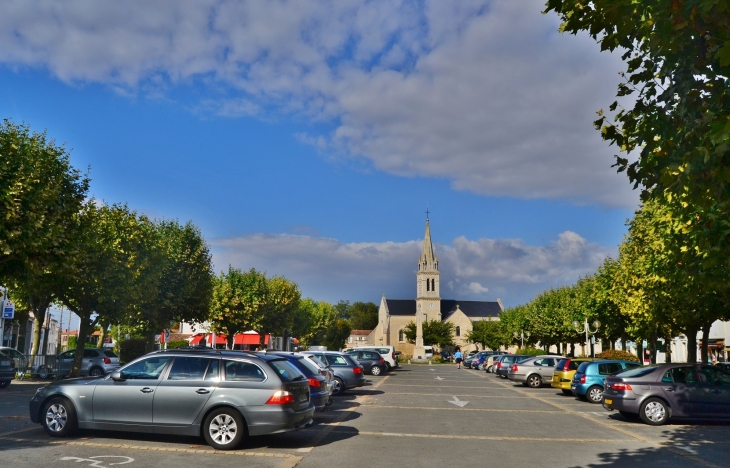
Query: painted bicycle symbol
point(95, 462)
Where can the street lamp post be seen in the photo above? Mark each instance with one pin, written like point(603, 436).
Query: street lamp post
point(596, 324)
point(522, 336)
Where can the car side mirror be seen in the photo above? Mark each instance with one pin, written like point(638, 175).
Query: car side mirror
point(117, 377)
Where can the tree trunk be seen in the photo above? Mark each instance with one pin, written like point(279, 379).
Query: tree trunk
point(149, 344)
point(668, 348)
point(102, 335)
point(624, 346)
point(691, 345)
point(705, 342)
point(572, 349)
point(84, 327)
point(640, 350)
point(36, 339)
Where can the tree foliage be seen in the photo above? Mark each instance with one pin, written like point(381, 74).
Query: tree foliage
point(435, 333)
point(489, 334)
point(327, 328)
point(40, 193)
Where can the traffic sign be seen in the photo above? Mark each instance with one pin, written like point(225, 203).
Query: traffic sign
point(8, 310)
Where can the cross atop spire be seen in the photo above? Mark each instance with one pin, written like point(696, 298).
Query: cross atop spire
point(427, 212)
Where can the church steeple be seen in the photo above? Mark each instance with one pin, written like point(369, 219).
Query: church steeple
point(428, 261)
point(428, 300)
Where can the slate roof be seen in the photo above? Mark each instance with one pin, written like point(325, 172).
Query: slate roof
point(472, 309)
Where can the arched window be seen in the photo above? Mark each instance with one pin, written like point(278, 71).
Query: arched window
point(401, 336)
point(428, 284)
point(458, 331)
point(433, 285)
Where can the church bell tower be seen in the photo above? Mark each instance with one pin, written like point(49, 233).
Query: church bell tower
point(428, 300)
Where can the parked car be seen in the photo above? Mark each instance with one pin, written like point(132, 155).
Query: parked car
point(387, 352)
point(588, 379)
point(564, 372)
point(506, 362)
point(221, 395)
point(95, 362)
point(317, 382)
point(371, 361)
point(489, 363)
point(534, 371)
point(497, 363)
point(657, 392)
point(481, 358)
point(7, 370)
point(348, 373)
point(324, 370)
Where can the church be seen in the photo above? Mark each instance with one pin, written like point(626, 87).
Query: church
point(395, 314)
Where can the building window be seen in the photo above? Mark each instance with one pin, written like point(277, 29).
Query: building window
point(428, 284)
point(458, 331)
point(349, 339)
point(433, 285)
point(401, 336)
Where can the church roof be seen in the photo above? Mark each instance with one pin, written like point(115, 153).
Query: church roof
point(471, 309)
point(429, 260)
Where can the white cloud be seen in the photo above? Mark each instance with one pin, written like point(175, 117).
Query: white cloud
point(486, 94)
point(481, 269)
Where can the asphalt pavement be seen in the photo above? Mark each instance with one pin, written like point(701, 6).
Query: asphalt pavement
point(416, 416)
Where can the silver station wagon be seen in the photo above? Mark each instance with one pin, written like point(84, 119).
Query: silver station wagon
point(223, 396)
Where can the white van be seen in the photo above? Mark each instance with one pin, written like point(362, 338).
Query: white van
point(429, 351)
point(388, 353)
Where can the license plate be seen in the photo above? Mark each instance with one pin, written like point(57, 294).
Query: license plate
point(303, 398)
point(5, 363)
point(608, 401)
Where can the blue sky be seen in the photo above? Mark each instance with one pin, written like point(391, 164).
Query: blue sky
point(307, 140)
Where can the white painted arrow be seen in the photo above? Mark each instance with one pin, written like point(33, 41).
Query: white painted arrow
point(458, 402)
point(439, 378)
point(432, 370)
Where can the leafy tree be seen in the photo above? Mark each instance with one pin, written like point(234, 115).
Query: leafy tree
point(282, 304)
point(435, 333)
point(40, 192)
point(343, 309)
point(677, 55)
point(363, 315)
point(103, 267)
point(489, 334)
point(327, 328)
point(181, 267)
point(238, 301)
point(36, 292)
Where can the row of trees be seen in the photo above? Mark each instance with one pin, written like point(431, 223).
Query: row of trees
point(113, 266)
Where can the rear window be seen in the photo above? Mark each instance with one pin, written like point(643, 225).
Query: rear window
point(337, 360)
point(561, 364)
point(286, 371)
point(109, 353)
point(582, 367)
point(238, 371)
point(609, 368)
point(307, 367)
point(637, 372)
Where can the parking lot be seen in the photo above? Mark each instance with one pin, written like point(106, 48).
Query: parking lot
point(419, 415)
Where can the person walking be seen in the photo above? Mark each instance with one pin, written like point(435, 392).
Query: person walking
point(458, 356)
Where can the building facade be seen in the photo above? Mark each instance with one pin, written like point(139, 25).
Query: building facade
point(394, 315)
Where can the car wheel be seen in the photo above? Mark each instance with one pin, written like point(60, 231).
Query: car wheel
point(59, 417)
point(375, 370)
point(654, 412)
point(96, 372)
point(388, 367)
point(44, 372)
point(339, 387)
point(4, 384)
point(567, 392)
point(224, 429)
point(595, 394)
point(534, 381)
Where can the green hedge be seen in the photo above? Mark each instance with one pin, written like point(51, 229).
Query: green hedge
point(177, 344)
point(131, 350)
point(531, 351)
point(617, 354)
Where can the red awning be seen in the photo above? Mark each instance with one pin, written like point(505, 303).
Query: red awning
point(220, 339)
point(250, 339)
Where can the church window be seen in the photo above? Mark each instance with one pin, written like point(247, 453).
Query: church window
point(401, 336)
point(428, 284)
point(458, 331)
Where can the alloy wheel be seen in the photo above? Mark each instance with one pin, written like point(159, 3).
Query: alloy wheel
point(595, 394)
point(223, 429)
point(655, 412)
point(56, 417)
